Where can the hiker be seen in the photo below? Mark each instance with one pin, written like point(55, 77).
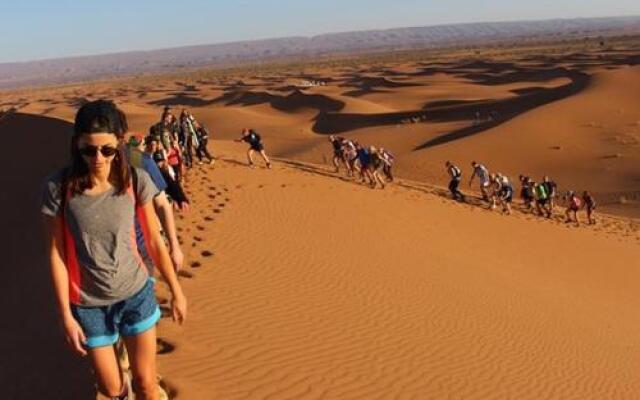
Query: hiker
point(590, 205)
point(350, 155)
point(173, 188)
point(255, 144)
point(338, 152)
point(189, 139)
point(574, 203)
point(167, 129)
point(138, 158)
point(482, 173)
point(505, 194)
point(175, 160)
point(388, 165)
point(103, 289)
point(202, 134)
point(456, 176)
point(375, 167)
point(542, 199)
point(526, 192)
point(552, 191)
point(364, 159)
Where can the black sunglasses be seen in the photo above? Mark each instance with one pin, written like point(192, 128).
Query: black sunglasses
point(92, 151)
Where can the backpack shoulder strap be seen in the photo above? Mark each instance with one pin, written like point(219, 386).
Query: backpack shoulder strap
point(134, 183)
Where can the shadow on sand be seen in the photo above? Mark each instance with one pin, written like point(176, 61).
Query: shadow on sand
point(36, 364)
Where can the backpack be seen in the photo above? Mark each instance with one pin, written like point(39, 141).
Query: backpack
point(254, 137)
point(456, 171)
point(575, 202)
point(541, 191)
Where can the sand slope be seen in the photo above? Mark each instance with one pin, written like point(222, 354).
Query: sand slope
point(321, 288)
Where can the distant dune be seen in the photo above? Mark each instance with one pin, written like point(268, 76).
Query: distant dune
point(66, 70)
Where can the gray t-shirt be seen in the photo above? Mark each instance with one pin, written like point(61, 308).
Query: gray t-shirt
point(102, 227)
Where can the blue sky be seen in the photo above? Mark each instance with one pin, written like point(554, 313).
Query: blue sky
point(38, 29)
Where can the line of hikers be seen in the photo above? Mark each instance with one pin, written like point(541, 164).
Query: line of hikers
point(538, 197)
point(186, 134)
point(373, 165)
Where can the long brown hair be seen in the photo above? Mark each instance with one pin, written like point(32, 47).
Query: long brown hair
point(100, 116)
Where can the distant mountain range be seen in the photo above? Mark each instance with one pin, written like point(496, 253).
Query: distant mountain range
point(65, 70)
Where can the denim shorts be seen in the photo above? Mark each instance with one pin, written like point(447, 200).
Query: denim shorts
point(103, 325)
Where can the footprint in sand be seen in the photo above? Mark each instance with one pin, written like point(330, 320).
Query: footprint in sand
point(164, 347)
point(195, 264)
point(197, 239)
point(221, 205)
point(216, 210)
point(212, 196)
point(200, 228)
point(206, 253)
point(185, 274)
point(207, 218)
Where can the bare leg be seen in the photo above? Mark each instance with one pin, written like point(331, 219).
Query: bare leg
point(265, 158)
point(378, 177)
point(142, 355)
point(107, 371)
point(250, 157)
point(336, 163)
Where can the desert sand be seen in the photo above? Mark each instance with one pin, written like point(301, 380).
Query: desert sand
point(304, 284)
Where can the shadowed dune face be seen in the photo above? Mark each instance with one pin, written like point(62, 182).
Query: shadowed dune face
point(36, 363)
point(505, 109)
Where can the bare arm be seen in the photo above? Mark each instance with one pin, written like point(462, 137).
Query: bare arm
point(54, 241)
point(164, 265)
point(165, 213)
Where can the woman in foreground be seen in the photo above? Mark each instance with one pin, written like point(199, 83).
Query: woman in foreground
point(103, 290)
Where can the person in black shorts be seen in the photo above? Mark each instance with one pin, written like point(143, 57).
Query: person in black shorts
point(590, 205)
point(338, 152)
point(255, 144)
point(456, 176)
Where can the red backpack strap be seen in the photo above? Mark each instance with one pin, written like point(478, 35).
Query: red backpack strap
point(142, 219)
point(71, 255)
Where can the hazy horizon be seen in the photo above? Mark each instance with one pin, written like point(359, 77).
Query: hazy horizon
point(41, 30)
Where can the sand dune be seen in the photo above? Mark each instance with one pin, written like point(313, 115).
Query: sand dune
point(36, 363)
point(394, 294)
point(306, 285)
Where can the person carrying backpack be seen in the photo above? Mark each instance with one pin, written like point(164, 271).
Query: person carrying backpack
point(552, 191)
point(203, 140)
point(102, 287)
point(482, 173)
point(574, 203)
point(255, 145)
point(505, 194)
point(590, 205)
point(455, 174)
point(542, 199)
